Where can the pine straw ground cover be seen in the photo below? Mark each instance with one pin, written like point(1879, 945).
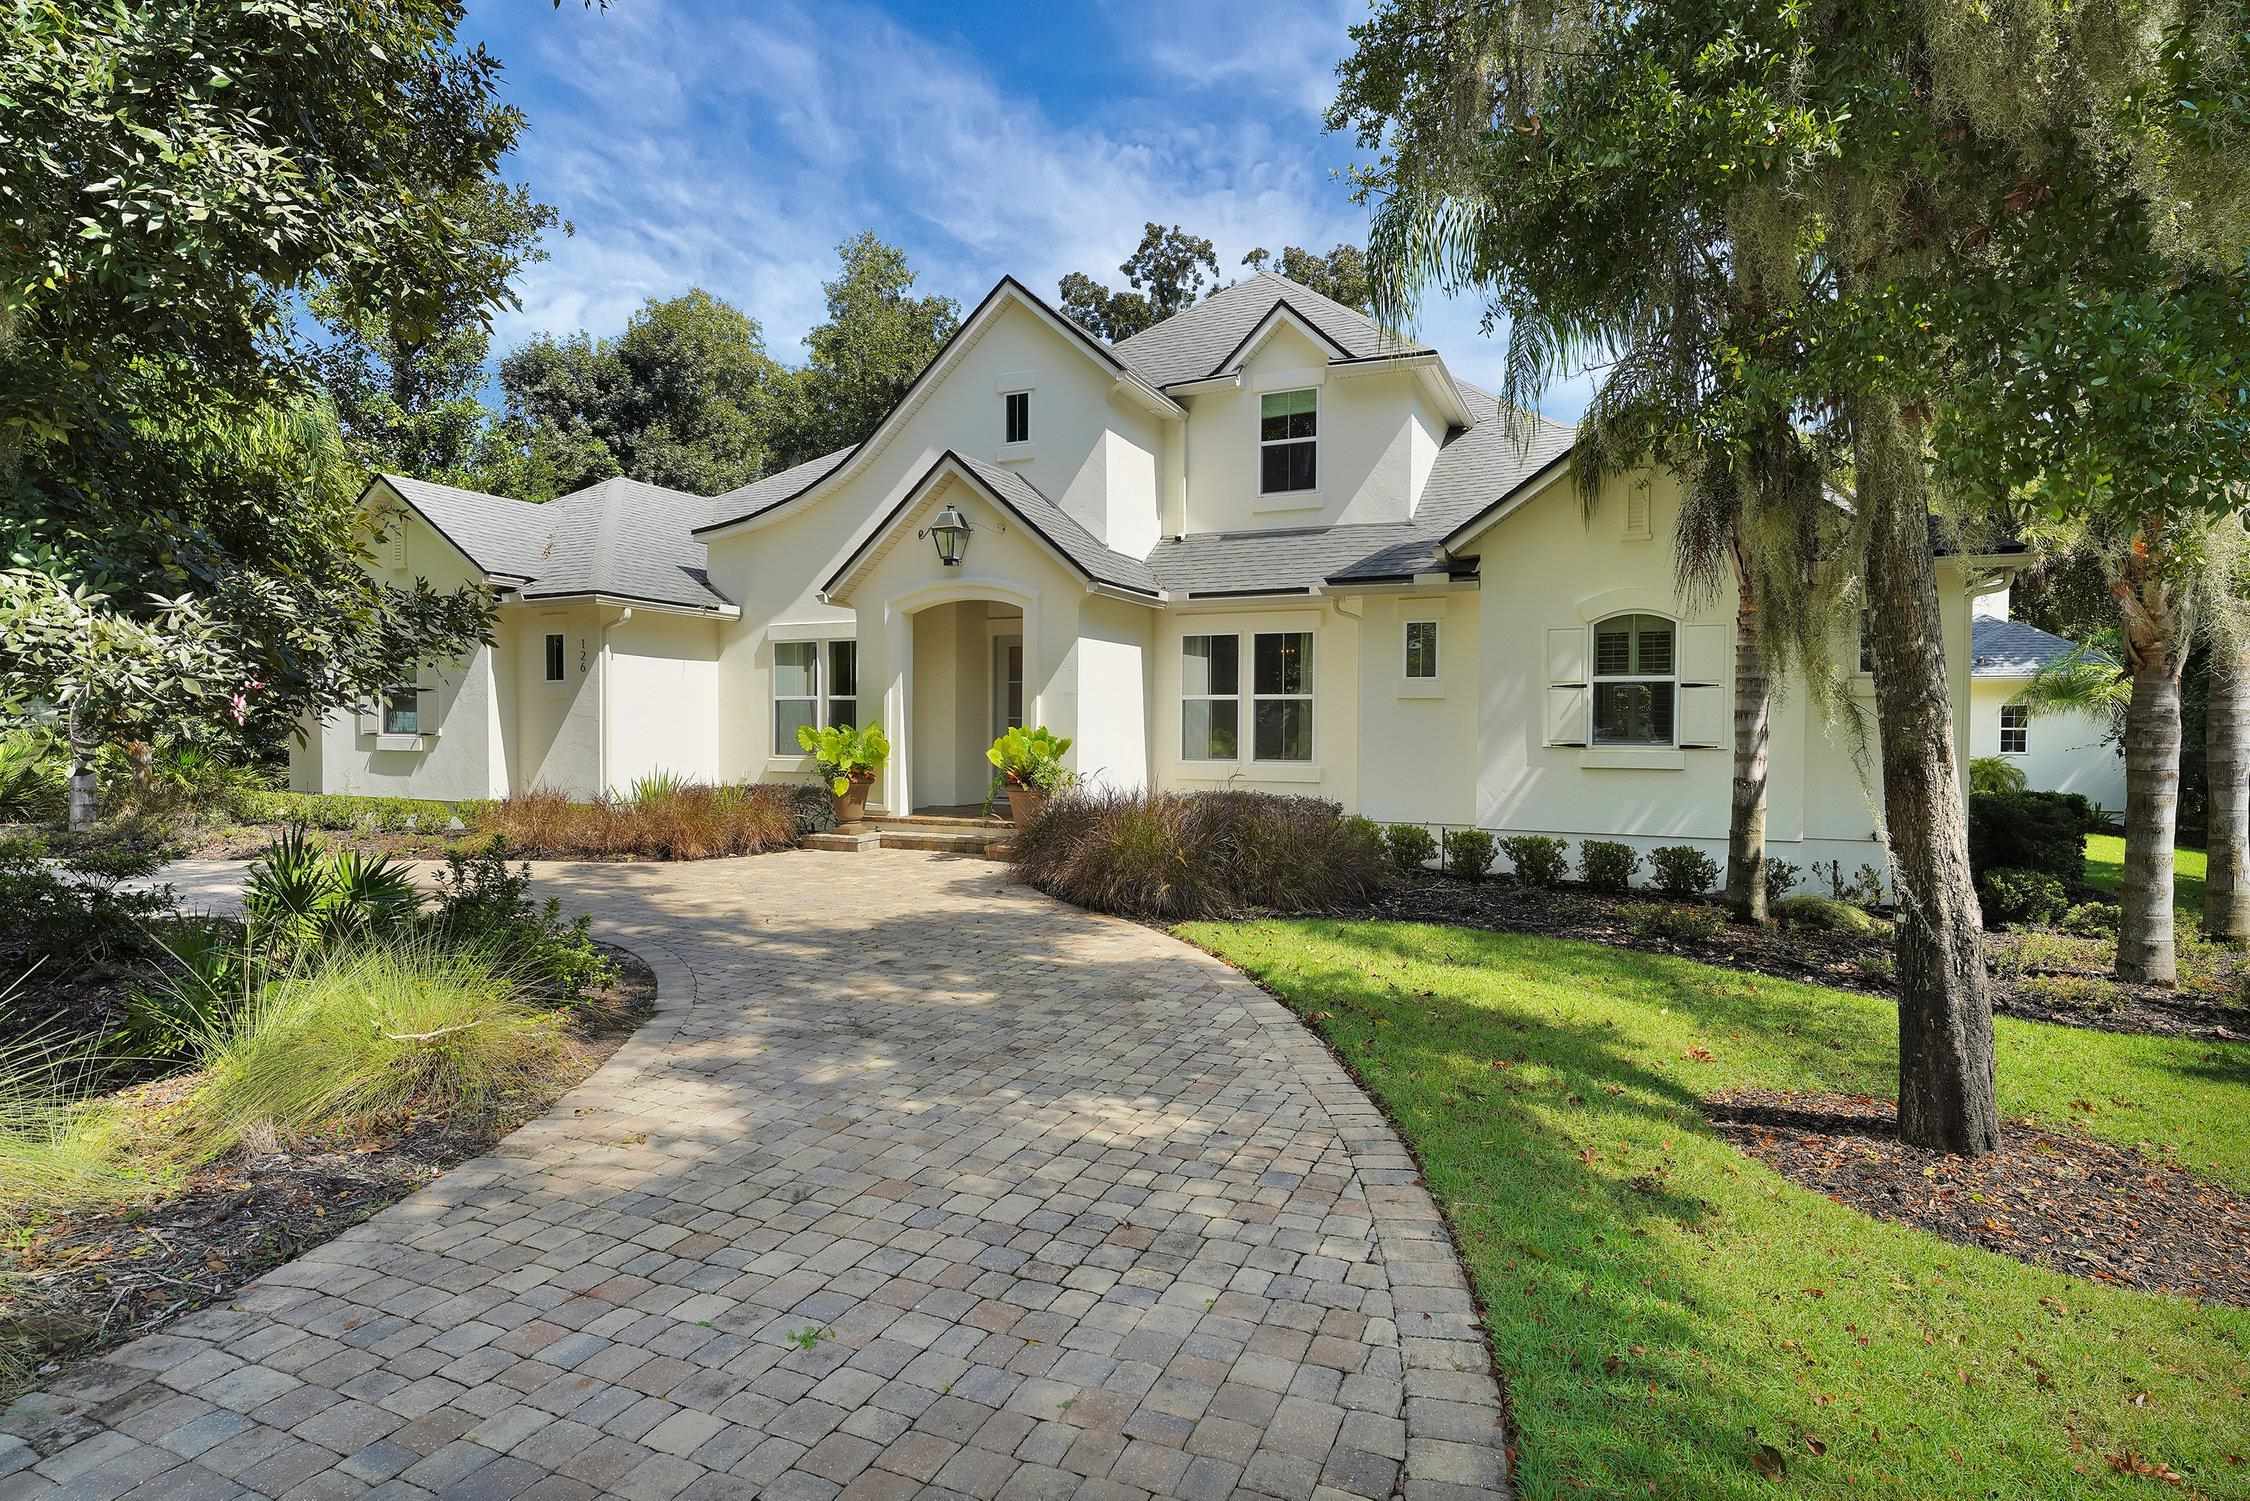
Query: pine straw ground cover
point(1673, 1318)
point(2035, 974)
point(73, 1284)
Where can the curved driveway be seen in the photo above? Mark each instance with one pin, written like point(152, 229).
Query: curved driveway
point(919, 1184)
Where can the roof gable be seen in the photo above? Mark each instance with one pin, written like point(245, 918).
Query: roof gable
point(1005, 293)
point(1057, 531)
point(1197, 341)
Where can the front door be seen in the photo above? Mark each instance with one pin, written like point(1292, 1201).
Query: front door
point(1007, 684)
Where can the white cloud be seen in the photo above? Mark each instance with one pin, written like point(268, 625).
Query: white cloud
point(735, 153)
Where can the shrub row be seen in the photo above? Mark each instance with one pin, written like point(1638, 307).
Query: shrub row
point(674, 822)
point(346, 811)
point(1178, 855)
point(1542, 860)
point(663, 818)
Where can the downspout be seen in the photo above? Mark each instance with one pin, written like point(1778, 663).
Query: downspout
point(601, 704)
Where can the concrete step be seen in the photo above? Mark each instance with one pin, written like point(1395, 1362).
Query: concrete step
point(926, 821)
point(981, 841)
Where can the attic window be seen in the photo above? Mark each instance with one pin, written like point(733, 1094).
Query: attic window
point(1288, 441)
point(1018, 416)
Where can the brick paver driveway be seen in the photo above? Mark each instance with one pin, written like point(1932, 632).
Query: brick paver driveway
point(918, 1185)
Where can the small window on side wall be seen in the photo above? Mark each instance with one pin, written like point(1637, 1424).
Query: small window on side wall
point(796, 693)
point(1018, 416)
point(2015, 730)
point(554, 657)
point(1421, 651)
point(402, 711)
point(1636, 681)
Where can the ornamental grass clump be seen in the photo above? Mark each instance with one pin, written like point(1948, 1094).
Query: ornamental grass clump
point(369, 1036)
point(62, 1147)
point(1205, 854)
point(663, 819)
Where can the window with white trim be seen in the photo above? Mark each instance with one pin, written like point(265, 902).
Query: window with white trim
point(1288, 441)
point(2015, 730)
point(1210, 698)
point(796, 693)
point(1281, 696)
point(554, 656)
point(843, 683)
point(402, 711)
point(1636, 680)
point(1016, 417)
point(1421, 651)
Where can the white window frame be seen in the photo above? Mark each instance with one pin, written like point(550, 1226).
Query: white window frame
point(1596, 678)
point(1236, 698)
point(2021, 729)
point(1277, 499)
point(1010, 385)
point(824, 680)
point(773, 721)
point(555, 656)
point(1308, 698)
point(1421, 682)
point(1008, 400)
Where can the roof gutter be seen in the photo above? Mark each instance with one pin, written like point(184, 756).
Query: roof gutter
point(632, 602)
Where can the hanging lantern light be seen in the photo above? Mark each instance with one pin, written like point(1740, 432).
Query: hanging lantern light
point(950, 532)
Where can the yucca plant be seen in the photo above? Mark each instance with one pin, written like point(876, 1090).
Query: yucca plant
point(658, 786)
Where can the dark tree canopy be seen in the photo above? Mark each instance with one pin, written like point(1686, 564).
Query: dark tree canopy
point(174, 182)
point(877, 339)
point(1166, 272)
point(680, 399)
point(1340, 275)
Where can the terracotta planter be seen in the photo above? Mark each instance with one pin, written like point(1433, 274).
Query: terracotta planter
point(1024, 804)
point(851, 806)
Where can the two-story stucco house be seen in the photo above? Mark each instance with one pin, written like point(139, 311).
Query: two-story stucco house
point(1263, 544)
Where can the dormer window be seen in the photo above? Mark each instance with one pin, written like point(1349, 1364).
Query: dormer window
point(1016, 417)
point(1288, 441)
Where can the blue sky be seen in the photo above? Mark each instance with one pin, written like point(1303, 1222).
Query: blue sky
point(694, 142)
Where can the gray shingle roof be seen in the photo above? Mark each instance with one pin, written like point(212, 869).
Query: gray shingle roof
point(619, 537)
point(1063, 530)
point(760, 496)
point(2012, 649)
point(1191, 343)
point(622, 537)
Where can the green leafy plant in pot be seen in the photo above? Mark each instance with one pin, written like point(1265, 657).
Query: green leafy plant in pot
point(850, 758)
point(1030, 763)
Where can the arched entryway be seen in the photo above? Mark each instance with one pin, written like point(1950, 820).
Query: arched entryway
point(966, 667)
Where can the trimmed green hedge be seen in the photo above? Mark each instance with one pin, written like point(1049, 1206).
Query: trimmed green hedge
point(346, 811)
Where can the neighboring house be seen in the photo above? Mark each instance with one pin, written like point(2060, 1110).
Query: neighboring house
point(1263, 544)
point(2071, 751)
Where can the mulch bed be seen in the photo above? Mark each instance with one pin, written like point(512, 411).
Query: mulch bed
point(2066, 1202)
point(90, 1283)
point(1847, 961)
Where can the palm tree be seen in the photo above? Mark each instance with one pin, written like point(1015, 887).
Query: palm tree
point(2226, 734)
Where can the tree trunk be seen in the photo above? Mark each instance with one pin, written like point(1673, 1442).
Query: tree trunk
point(1753, 728)
point(2155, 647)
point(1945, 1072)
point(2226, 763)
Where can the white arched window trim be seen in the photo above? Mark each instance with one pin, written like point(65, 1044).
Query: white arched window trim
point(1698, 674)
point(1635, 697)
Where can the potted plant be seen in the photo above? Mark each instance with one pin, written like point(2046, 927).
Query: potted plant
point(850, 757)
point(1030, 764)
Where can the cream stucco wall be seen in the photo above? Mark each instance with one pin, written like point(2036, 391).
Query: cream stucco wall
point(463, 753)
point(2068, 752)
point(1092, 450)
point(1334, 770)
point(1377, 438)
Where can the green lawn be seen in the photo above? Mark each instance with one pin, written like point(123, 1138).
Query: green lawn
point(2105, 868)
point(1662, 1305)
